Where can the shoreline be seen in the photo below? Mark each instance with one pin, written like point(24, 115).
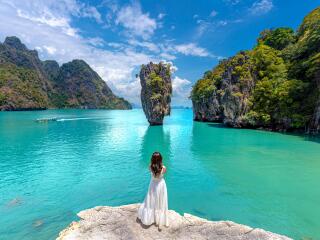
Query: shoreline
point(105, 222)
point(261, 128)
point(295, 131)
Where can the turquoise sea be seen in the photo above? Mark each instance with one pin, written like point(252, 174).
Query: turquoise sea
point(50, 171)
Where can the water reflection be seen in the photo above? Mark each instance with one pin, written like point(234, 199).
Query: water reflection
point(61, 168)
point(258, 174)
point(302, 135)
point(155, 139)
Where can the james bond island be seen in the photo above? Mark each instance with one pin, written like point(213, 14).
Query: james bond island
point(156, 90)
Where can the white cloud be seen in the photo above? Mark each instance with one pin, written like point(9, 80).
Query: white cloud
point(232, 2)
point(213, 13)
point(54, 36)
point(192, 49)
point(202, 27)
point(167, 50)
point(161, 15)
point(91, 12)
point(116, 45)
point(136, 22)
point(52, 41)
point(181, 91)
point(210, 25)
point(199, 21)
point(96, 41)
point(147, 45)
point(47, 18)
point(112, 5)
point(173, 68)
point(261, 7)
point(195, 16)
point(51, 50)
point(167, 56)
point(222, 23)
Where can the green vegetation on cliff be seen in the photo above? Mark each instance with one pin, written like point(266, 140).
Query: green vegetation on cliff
point(275, 97)
point(157, 84)
point(27, 83)
point(81, 87)
point(278, 82)
point(20, 88)
point(278, 38)
point(156, 90)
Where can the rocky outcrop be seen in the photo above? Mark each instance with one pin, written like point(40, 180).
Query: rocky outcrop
point(156, 90)
point(207, 109)
point(306, 64)
point(315, 122)
point(122, 223)
point(27, 83)
point(228, 94)
point(274, 86)
point(51, 69)
point(23, 85)
point(81, 87)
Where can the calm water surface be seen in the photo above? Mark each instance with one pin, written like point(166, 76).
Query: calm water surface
point(50, 171)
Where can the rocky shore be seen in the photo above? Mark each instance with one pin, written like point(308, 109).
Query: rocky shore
point(106, 222)
point(275, 85)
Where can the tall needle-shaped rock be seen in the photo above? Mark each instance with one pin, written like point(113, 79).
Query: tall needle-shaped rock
point(156, 90)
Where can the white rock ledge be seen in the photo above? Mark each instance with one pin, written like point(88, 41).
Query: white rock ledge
point(122, 223)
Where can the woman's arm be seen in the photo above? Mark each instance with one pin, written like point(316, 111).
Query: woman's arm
point(164, 169)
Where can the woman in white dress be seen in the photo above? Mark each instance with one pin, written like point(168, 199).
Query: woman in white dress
point(154, 209)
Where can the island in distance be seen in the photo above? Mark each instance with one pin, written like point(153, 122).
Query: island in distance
point(27, 83)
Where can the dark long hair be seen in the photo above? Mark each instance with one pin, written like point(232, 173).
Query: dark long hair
point(156, 164)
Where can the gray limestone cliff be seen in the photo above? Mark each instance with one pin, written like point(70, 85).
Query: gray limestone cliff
point(274, 86)
point(156, 90)
point(226, 98)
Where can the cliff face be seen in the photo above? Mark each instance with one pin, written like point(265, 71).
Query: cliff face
point(51, 68)
point(305, 64)
point(27, 83)
point(23, 84)
point(81, 87)
point(276, 85)
point(223, 94)
point(156, 90)
point(207, 109)
point(122, 223)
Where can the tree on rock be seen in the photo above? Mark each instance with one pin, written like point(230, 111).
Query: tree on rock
point(156, 90)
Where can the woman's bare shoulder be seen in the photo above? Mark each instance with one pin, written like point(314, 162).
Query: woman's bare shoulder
point(164, 169)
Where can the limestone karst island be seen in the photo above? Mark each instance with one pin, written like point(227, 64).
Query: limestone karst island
point(159, 120)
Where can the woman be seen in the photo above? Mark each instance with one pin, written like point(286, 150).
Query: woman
point(154, 209)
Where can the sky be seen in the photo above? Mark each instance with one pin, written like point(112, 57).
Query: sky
point(116, 37)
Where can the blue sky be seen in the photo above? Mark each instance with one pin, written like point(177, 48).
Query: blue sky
point(116, 37)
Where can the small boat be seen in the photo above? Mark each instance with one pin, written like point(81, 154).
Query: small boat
point(45, 120)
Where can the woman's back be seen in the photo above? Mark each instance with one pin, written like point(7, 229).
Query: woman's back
point(160, 175)
point(154, 209)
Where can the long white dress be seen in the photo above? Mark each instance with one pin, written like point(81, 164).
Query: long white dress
point(154, 209)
